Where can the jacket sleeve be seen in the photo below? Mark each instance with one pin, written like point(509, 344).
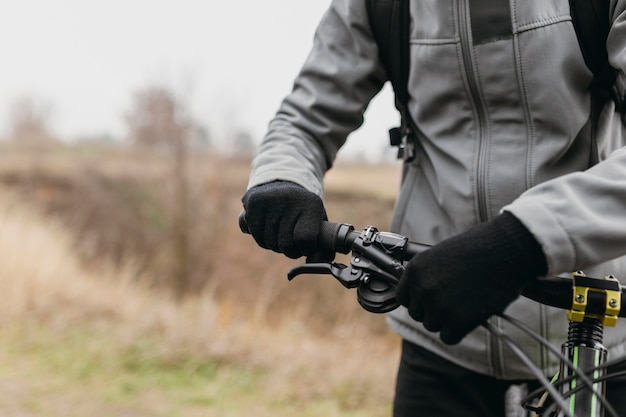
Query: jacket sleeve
point(580, 218)
point(339, 78)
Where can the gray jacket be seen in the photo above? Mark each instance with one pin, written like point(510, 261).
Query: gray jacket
point(501, 101)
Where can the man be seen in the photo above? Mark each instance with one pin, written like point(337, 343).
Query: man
point(507, 183)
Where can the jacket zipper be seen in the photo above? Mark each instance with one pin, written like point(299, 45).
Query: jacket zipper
point(483, 138)
point(479, 108)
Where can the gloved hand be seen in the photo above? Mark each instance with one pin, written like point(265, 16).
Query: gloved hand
point(461, 282)
point(285, 217)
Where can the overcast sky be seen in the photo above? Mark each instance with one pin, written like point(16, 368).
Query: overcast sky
point(233, 61)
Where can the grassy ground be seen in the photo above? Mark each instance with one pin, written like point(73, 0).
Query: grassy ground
point(82, 372)
point(88, 339)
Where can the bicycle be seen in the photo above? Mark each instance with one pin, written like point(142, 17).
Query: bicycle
point(577, 390)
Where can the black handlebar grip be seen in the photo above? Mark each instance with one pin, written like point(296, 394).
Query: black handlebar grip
point(243, 224)
point(327, 236)
point(332, 236)
point(336, 237)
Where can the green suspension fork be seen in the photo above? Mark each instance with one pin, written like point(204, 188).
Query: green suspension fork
point(596, 304)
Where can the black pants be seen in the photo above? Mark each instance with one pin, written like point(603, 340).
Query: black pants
point(428, 385)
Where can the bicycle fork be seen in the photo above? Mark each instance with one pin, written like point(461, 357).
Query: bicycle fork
point(596, 303)
point(585, 351)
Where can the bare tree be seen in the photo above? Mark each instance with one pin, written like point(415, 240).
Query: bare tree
point(29, 119)
point(159, 121)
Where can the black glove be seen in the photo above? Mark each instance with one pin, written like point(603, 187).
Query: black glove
point(461, 282)
point(285, 217)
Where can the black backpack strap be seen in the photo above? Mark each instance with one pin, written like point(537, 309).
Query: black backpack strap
point(591, 22)
point(389, 21)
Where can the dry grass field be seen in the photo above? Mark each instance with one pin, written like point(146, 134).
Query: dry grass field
point(90, 324)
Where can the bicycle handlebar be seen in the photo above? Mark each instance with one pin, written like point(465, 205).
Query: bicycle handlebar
point(341, 237)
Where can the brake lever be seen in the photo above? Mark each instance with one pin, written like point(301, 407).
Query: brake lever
point(373, 271)
point(348, 277)
point(375, 287)
point(360, 272)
